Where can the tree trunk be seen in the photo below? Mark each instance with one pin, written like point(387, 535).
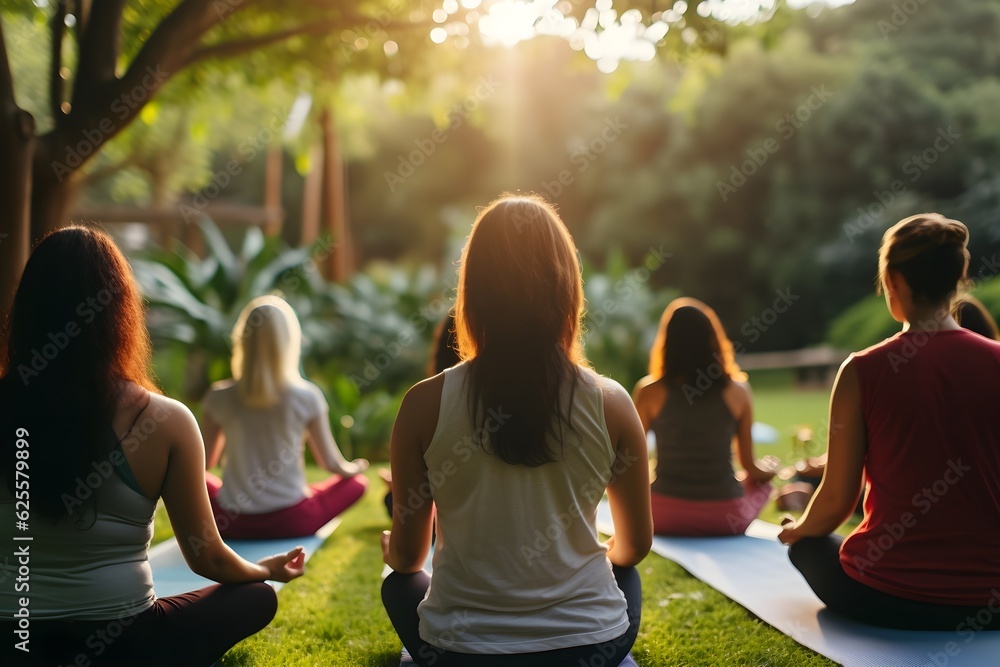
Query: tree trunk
point(17, 144)
point(50, 198)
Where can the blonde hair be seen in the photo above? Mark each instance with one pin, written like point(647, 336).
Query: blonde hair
point(267, 342)
point(930, 251)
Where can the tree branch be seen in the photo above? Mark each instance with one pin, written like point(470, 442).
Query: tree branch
point(238, 46)
point(58, 30)
point(99, 47)
point(81, 11)
point(106, 107)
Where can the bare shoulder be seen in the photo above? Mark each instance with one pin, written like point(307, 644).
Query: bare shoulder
point(167, 421)
point(740, 389)
point(649, 391)
point(847, 377)
point(425, 394)
point(645, 385)
point(418, 413)
point(618, 404)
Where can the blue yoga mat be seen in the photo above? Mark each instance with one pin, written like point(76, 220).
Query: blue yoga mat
point(172, 576)
point(754, 571)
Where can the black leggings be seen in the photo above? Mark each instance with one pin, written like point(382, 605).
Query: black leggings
point(193, 629)
point(401, 593)
point(818, 559)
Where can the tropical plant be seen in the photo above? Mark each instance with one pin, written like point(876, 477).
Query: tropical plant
point(364, 342)
point(621, 319)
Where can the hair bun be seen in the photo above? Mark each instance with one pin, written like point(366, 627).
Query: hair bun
point(945, 232)
point(930, 250)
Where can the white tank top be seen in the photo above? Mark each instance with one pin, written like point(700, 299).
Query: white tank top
point(518, 567)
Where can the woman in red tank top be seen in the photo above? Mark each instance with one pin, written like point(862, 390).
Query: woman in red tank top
point(913, 420)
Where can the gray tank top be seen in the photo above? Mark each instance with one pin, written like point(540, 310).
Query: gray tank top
point(694, 456)
point(91, 564)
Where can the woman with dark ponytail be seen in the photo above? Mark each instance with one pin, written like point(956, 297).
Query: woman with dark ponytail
point(515, 447)
point(912, 420)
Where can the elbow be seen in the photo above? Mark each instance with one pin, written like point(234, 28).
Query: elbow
point(631, 555)
point(406, 562)
point(406, 558)
point(212, 566)
point(208, 569)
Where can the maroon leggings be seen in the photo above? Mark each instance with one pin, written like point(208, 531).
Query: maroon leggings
point(193, 629)
point(329, 498)
point(708, 518)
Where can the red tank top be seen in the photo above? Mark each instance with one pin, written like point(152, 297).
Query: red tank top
point(931, 528)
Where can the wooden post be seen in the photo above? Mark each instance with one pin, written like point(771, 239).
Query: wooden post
point(272, 190)
point(312, 197)
point(334, 212)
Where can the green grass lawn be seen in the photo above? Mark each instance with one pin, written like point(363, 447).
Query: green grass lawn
point(333, 615)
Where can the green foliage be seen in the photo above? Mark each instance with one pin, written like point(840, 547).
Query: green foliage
point(868, 321)
point(687, 127)
point(364, 343)
point(862, 325)
point(988, 292)
point(621, 319)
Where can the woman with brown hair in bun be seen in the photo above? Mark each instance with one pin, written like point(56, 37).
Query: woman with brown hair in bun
point(913, 419)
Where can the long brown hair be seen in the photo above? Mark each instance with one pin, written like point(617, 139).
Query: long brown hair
point(517, 320)
point(76, 336)
point(690, 341)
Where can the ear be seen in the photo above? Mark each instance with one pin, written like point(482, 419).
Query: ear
point(891, 280)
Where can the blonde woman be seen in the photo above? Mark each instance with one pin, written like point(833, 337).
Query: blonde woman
point(260, 418)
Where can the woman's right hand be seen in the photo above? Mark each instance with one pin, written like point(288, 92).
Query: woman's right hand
point(285, 567)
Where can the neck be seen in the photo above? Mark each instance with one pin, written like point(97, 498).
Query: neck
point(930, 318)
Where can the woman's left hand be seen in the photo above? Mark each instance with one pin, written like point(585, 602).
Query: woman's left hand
point(285, 567)
point(788, 534)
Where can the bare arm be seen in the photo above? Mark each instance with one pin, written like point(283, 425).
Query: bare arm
point(405, 549)
point(744, 436)
point(628, 490)
point(186, 499)
point(215, 441)
point(838, 493)
point(326, 452)
point(642, 395)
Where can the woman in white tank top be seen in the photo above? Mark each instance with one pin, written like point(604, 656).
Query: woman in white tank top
point(515, 447)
